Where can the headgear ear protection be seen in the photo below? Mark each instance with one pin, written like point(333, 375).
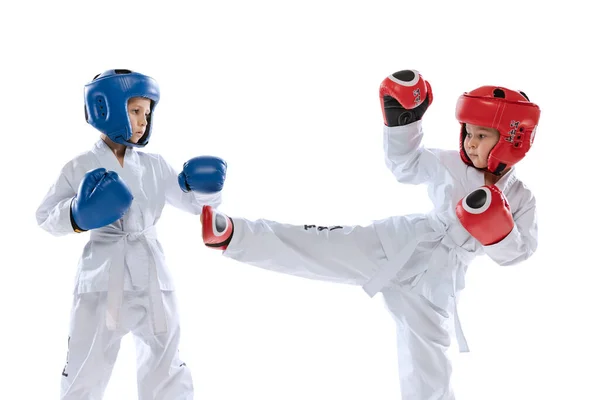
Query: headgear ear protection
point(508, 111)
point(106, 98)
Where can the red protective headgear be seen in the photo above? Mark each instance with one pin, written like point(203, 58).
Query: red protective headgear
point(508, 111)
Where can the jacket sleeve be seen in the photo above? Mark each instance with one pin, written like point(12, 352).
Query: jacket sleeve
point(406, 157)
point(521, 242)
point(191, 202)
point(54, 214)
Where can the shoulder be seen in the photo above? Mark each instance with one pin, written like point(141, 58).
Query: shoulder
point(523, 190)
point(73, 170)
point(520, 196)
point(84, 160)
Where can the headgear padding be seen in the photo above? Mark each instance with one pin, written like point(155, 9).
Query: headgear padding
point(106, 98)
point(508, 111)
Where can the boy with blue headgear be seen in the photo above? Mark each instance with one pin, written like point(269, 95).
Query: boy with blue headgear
point(418, 262)
point(117, 193)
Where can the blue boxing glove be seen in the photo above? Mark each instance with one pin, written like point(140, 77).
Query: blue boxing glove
point(102, 198)
point(204, 174)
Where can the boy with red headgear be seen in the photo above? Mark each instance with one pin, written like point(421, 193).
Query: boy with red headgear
point(418, 262)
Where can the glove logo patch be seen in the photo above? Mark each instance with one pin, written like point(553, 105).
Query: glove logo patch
point(417, 94)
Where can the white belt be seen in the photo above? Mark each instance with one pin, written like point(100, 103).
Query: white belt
point(397, 269)
point(116, 277)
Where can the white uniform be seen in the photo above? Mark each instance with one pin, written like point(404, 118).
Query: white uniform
point(417, 261)
point(123, 284)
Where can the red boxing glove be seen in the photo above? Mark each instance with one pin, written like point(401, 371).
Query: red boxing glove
point(217, 228)
point(404, 97)
point(485, 214)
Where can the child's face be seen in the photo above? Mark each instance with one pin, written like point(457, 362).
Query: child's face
point(138, 109)
point(479, 141)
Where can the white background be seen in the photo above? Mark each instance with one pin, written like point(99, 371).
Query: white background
point(287, 93)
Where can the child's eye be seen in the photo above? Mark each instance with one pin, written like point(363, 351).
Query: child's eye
point(481, 136)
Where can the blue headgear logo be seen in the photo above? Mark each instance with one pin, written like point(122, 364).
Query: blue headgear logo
point(106, 98)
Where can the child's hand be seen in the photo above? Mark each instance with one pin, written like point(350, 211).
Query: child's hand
point(404, 97)
point(102, 198)
point(485, 214)
point(204, 174)
point(217, 228)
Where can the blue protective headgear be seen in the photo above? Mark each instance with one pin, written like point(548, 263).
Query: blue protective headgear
point(106, 99)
